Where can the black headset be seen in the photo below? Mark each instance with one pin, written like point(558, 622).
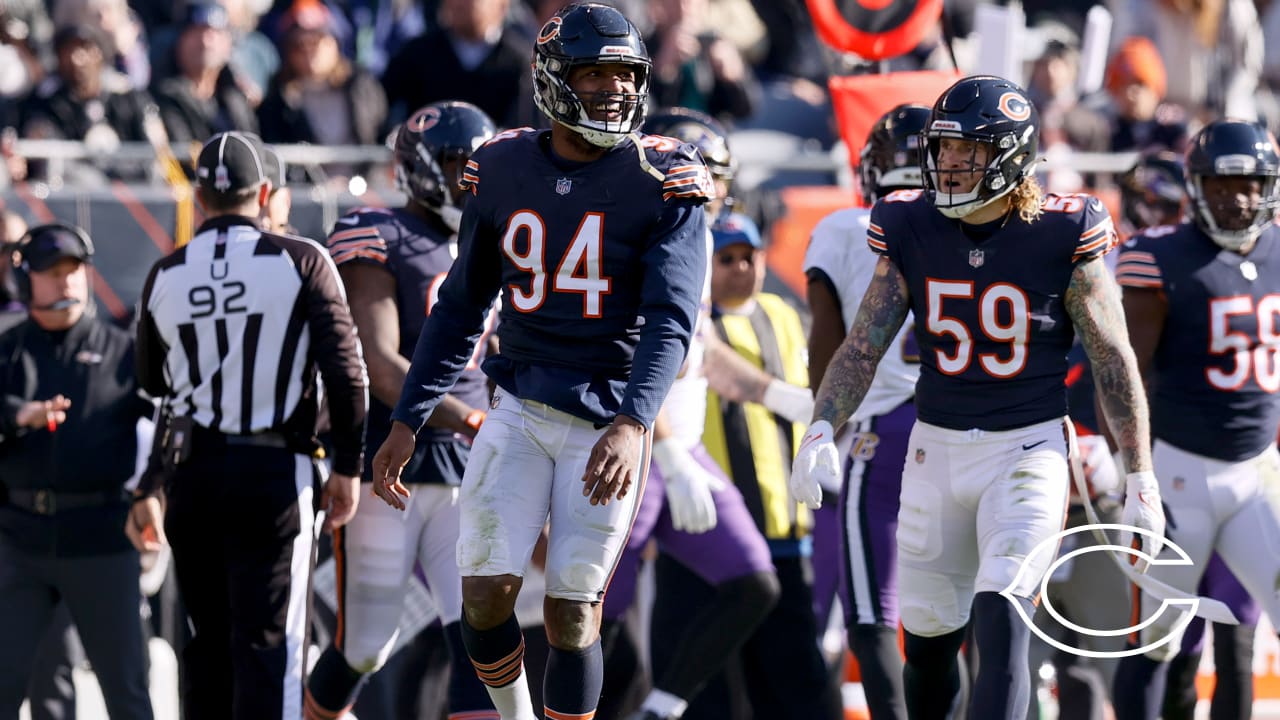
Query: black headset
point(21, 273)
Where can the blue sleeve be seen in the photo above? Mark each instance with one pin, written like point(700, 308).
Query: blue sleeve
point(456, 321)
point(675, 268)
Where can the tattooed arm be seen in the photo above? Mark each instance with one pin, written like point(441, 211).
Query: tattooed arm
point(1093, 302)
point(849, 374)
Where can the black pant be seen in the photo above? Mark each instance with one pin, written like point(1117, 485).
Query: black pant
point(240, 520)
point(105, 602)
point(778, 673)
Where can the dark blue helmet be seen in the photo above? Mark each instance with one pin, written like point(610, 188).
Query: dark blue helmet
point(890, 159)
point(588, 34)
point(1152, 192)
point(984, 109)
point(700, 130)
point(424, 145)
point(1226, 148)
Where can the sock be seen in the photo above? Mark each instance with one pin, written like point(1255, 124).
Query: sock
point(571, 686)
point(332, 687)
point(467, 696)
point(1180, 695)
point(665, 705)
point(1003, 686)
point(1139, 687)
point(498, 657)
point(931, 675)
point(1233, 658)
point(876, 648)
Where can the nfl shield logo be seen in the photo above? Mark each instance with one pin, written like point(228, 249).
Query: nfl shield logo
point(919, 456)
point(976, 258)
point(563, 186)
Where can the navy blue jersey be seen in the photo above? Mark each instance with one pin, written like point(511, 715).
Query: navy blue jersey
point(601, 266)
point(418, 254)
point(1215, 372)
point(990, 316)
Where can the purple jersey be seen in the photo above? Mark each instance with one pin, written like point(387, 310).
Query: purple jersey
point(991, 322)
point(601, 266)
point(1215, 369)
point(418, 254)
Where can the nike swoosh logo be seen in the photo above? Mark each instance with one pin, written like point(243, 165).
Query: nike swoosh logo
point(813, 440)
point(1033, 445)
point(346, 221)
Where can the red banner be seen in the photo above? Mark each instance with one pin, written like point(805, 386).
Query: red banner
point(860, 100)
point(874, 29)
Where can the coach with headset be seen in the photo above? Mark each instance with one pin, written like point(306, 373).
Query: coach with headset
point(69, 408)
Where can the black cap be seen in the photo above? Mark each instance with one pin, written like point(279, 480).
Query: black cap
point(79, 32)
point(207, 14)
point(231, 162)
point(50, 243)
point(277, 171)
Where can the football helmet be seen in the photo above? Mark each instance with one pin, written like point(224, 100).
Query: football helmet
point(1152, 191)
point(890, 159)
point(703, 132)
point(426, 142)
point(1227, 148)
point(588, 34)
point(983, 109)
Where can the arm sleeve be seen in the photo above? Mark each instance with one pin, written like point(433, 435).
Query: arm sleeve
point(1137, 266)
point(150, 347)
point(336, 351)
point(456, 321)
point(675, 265)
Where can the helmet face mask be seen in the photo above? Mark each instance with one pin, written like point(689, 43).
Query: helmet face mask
point(590, 34)
point(703, 132)
point(1232, 171)
point(890, 158)
point(432, 147)
point(1152, 192)
point(994, 114)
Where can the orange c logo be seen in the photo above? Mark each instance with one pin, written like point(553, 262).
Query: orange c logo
point(424, 120)
point(1014, 106)
point(550, 31)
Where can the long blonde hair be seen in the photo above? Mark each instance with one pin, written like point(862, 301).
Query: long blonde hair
point(1028, 197)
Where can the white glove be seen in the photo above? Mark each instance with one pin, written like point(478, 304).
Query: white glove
point(817, 464)
point(1142, 509)
point(792, 402)
point(1099, 467)
point(689, 487)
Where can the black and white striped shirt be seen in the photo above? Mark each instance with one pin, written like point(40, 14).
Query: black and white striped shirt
point(234, 326)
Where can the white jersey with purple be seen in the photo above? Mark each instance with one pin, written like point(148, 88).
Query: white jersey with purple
point(838, 256)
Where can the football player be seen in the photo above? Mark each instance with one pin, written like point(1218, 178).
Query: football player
point(392, 262)
point(712, 140)
point(1152, 192)
point(996, 275)
point(596, 236)
point(695, 513)
point(839, 268)
point(1202, 300)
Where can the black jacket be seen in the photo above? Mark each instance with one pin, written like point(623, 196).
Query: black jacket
point(189, 119)
point(95, 450)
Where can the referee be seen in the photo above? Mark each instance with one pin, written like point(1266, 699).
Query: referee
point(232, 331)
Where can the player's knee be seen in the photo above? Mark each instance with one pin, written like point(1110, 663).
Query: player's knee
point(472, 553)
point(760, 590)
point(930, 605)
point(488, 601)
point(571, 624)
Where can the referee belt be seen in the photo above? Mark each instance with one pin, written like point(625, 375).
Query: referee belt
point(203, 435)
point(50, 502)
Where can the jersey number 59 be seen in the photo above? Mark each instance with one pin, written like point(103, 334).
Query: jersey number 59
point(579, 271)
point(1000, 300)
